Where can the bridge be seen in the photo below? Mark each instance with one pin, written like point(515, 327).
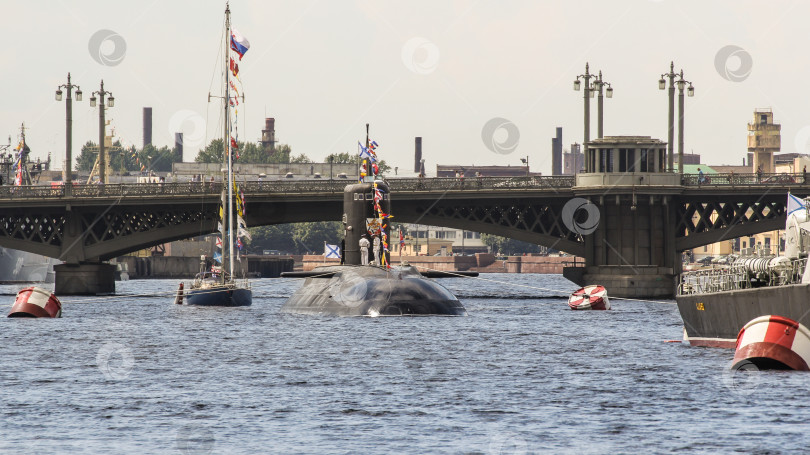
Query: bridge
point(642, 221)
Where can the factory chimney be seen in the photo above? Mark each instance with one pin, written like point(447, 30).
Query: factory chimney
point(417, 162)
point(178, 147)
point(147, 126)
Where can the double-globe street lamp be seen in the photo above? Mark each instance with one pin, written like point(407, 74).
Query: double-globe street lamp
point(681, 82)
point(102, 165)
point(68, 170)
point(590, 90)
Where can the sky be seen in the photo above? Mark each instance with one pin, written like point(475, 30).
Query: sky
point(482, 81)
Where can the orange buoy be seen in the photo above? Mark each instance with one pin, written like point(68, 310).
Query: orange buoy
point(35, 302)
point(179, 298)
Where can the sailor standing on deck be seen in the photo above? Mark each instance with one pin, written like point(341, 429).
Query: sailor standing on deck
point(377, 250)
point(364, 244)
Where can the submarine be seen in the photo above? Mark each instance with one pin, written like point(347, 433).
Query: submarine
point(359, 286)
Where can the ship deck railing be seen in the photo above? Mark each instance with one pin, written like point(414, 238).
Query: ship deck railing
point(734, 277)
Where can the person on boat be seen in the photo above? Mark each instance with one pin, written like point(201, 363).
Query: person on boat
point(364, 244)
point(377, 250)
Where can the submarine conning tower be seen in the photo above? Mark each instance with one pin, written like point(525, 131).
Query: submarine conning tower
point(358, 210)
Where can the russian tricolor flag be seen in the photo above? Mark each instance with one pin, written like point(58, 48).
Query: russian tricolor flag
point(239, 43)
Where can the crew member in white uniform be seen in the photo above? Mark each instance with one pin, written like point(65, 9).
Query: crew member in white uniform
point(364, 244)
point(377, 250)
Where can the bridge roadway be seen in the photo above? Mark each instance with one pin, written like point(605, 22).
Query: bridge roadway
point(639, 224)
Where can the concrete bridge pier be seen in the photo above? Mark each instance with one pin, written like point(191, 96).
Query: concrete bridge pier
point(629, 253)
point(632, 250)
point(95, 278)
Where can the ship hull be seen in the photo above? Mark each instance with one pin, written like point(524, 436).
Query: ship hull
point(715, 319)
point(24, 267)
point(219, 296)
point(372, 291)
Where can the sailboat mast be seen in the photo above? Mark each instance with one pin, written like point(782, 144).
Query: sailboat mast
point(228, 138)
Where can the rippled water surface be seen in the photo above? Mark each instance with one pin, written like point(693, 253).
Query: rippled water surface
point(522, 373)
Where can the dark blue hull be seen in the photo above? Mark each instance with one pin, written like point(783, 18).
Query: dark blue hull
point(219, 296)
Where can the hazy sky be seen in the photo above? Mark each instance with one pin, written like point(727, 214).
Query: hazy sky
point(436, 69)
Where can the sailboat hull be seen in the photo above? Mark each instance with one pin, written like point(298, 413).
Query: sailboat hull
point(219, 296)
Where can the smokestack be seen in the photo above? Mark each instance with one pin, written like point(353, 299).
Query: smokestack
point(417, 163)
point(556, 153)
point(178, 147)
point(269, 133)
point(147, 126)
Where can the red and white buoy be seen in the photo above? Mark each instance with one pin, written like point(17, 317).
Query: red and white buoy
point(773, 343)
point(35, 302)
point(593, 297)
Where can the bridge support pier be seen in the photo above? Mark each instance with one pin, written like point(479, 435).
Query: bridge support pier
point(631, 253)
point(84, 279)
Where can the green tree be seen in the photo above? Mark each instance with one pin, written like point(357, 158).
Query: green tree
point(508, 246)
point(124, 160)
point(298, 238)
point(353, 158)
point(249, 153)
point(212, 153)
point(274, 237)
point(87, 157)
point(310, 237)
point(301, 159)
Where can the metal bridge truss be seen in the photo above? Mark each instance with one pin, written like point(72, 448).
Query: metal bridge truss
point(713, 219)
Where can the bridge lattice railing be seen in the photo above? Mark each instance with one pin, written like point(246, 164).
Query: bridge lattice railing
point(284, 187)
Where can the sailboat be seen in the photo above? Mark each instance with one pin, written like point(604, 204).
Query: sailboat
point(216, 286)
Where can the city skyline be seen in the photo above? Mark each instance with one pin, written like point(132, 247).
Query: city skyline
point(439, 71)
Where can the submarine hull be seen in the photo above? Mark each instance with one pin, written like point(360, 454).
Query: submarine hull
point(372, 291)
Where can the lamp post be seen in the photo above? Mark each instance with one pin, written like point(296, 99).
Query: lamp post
point(102, 161)
point(681, 82)
point(598, 84)
point(67, 178)
point(586, 96)
point(526, 162)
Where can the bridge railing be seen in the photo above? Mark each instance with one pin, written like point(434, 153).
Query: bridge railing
point(735, 179)
point(283, 187)
point(481, 183)
point(110, 190)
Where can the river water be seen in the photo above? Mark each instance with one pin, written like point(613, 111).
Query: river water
point(521, 374)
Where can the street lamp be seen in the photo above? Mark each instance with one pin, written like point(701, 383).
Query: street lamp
point(598, 84)
point(67, 178)
point(586, 97)
point(102, 160)
point(690, 91)
point(526, 162)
